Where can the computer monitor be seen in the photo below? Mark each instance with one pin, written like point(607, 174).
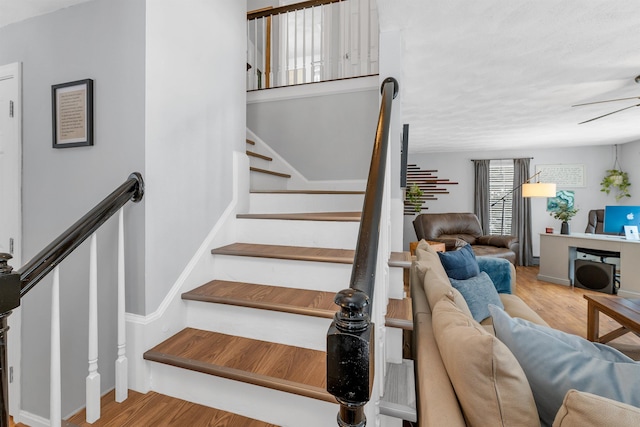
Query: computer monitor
point(616, 217)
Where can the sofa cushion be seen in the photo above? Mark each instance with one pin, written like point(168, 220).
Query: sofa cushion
point(556, 362)
point(460, 264)
point(478, 292)
point(580, 409)
point(491, 387)
point(517, 308)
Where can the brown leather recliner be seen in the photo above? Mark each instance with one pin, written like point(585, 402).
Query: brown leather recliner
point(458, 229)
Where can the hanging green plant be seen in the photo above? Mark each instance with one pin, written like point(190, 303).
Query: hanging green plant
point(414, 197)
point(617, 181)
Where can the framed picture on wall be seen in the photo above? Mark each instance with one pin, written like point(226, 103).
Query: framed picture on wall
point(72, 106)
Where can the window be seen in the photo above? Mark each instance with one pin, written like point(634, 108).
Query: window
point(500, 185)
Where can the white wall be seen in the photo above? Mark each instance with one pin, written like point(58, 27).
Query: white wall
point(458, 167)
point(195, 118)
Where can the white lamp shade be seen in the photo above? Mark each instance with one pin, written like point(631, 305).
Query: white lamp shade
point(539, 189)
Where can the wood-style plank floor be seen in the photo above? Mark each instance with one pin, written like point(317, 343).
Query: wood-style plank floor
point(563, 307)
point(153, 409)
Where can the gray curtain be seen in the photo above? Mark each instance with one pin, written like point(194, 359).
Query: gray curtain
point(521, 213)
point(481, 199)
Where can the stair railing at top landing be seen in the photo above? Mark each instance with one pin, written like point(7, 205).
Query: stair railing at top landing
point(311, 41)
point(350, 340)
point(14, 285)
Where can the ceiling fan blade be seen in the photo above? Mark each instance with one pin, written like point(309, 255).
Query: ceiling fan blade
point(608, 114)
point(608, 100)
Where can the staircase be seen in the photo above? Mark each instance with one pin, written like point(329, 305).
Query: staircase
point(254, 341)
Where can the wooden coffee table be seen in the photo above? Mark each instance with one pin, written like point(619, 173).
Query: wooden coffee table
point(624, 311)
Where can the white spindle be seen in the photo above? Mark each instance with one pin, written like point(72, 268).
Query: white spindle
point(304, 46)
point(255, 54)
point(55, 381)
point(295, 47)
point(287, 29)
point(93, 379)
point(263, 59)
point(122, 387)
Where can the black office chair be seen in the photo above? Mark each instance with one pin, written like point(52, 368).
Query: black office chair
point(596, 226)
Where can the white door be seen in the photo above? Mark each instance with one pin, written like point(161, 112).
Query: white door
point(11, 206)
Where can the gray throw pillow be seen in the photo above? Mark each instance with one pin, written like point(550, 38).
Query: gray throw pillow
point(556, 362)
point(478, 292)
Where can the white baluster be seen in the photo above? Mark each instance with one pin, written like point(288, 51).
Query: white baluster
point(122, 388)
point(93, 379)
point(55, 382)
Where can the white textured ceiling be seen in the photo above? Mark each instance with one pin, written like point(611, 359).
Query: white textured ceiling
point(497, 74)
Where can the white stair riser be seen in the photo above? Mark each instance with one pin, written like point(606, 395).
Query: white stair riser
point(321, 234)
point(264, 181)
point(272, 406)
point(322, 276)
point(294, 203)
point(258, 162)
point(266, 325)
point(396, 283)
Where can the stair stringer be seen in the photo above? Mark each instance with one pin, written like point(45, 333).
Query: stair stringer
point(144, 332)
point(297, 180)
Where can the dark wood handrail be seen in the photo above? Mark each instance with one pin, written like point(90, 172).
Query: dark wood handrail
point(350, 340)
point(45, 261)
point(288, 8)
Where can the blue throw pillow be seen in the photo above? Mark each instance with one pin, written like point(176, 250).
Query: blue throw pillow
point(499, 269)
point(555, 362)
point(460, 264)
point(478, 292)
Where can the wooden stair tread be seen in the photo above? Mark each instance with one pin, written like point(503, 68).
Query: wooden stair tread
point(281, 367)
point(250, 142)
point(299, 253)
point(400, 259)
point(312, 216)
point(289, 300)
point(158, 410)
point(306, 192)
point(282, 175)
point(259, 156)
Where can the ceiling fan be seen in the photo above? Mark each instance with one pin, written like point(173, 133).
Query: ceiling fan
point(637, 79)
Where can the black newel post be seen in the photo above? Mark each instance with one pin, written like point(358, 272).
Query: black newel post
point(350, 357)
point(9, 299)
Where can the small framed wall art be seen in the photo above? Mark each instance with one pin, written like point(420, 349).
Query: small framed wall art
point(72, 114)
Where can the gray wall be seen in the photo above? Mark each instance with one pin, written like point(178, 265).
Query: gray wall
point(164, 106)
point(102, 40)
point(458, 167)
point(327, 137)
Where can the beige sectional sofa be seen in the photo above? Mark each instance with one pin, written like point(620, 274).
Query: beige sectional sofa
point(466, 376)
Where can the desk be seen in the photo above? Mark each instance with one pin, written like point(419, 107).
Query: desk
point(558, 251)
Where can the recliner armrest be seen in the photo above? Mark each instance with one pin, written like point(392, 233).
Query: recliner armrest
point(498, 241)
point(450, 243)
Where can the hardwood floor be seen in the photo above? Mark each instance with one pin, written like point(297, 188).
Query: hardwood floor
point(563, 307)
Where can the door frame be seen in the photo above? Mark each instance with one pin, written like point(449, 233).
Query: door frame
point(13, 72)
